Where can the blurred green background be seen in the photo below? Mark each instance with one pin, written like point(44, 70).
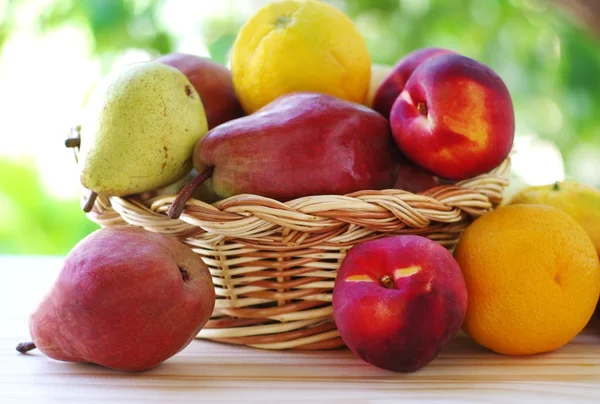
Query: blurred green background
point(53, 51)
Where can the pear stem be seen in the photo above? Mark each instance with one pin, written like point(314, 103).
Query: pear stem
point(89, 204)
point(24, 347)
point(186, 193)
point(72, 142)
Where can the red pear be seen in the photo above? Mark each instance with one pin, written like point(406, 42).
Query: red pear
point(299, 145)
point(126, 298)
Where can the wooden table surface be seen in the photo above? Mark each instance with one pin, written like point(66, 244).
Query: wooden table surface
point(215, 373)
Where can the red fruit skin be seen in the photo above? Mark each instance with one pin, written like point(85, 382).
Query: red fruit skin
point(414, 179)
point(212, 81)
point(120, 301)
point(455, 118)
point(405, 327)
point(298, 145)
point(392, 86)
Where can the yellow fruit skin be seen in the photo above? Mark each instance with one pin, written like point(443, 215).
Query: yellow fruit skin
point(379, 73)
point(580, 201)
point(532, 276)
point(299, 45)
point(139, 129)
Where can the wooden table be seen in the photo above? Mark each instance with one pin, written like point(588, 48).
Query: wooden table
point(214, 373)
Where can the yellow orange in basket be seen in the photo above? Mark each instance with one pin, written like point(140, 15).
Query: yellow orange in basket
point(299, 45)
point(532, 276)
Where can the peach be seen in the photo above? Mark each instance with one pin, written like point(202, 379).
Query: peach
point(454, 118)
point(212, 81)
point(393, 84)
point(398, 301)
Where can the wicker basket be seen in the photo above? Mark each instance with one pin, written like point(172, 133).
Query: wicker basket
point(274, 264)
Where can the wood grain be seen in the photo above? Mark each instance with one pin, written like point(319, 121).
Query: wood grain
point(214, 373)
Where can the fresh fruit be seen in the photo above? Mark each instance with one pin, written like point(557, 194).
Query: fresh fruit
point(212, 81)
point(300, 144)
point(394, 82)
point(299, 45)
point(533, 278)
point(397, 301)
point(126, 298)
point(454, 117)
point(139, 129)
point(379, 73)
point(580, 201)
point(414, 179)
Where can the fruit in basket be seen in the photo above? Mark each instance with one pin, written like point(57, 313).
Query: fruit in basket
point(580, 201)
point(126, 298)
point(139, 129)
point(299, 145)
point(397, 301)
point(414, 179)
point(454, 117)
point(379, 72)
point(299, 45)
point(395, 80)
point(533, 277)
point(212, 81)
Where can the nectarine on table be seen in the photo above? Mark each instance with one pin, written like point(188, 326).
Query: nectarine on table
point(397, 301)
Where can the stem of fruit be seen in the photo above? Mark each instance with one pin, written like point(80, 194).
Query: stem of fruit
point(24, 347)
point(556, 186)
point(89, 204)
point(387, 281)
point(72, 142)
point(186, 193)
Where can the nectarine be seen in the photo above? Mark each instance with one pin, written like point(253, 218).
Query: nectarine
point(454, 117)
point(397, 301)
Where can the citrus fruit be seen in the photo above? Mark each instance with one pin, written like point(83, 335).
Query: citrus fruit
point(299, 45)
point(532, 276)
point(580, 201)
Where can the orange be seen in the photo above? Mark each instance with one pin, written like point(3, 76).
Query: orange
point(532, 276)
point(299, 45)
point(580, 201)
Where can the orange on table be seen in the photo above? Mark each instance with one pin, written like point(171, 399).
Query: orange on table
point(580, 201)
point(532, 276)
point(299, 45)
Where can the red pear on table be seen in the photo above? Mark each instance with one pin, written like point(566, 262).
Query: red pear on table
point(126, 298)
point(397, 301)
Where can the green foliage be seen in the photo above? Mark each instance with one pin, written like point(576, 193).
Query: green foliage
point(549, 64)
point(32, 221)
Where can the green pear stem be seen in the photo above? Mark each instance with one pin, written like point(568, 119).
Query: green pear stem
point(89, 204)
point(186, 193)
point(24, 347)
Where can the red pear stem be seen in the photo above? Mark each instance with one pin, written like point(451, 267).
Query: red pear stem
point(25, 347)
point(387, 281)
point(186, 193)
point(89, 204)
point(422, 108)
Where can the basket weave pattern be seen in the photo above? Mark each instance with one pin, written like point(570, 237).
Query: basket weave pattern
point(274, 264)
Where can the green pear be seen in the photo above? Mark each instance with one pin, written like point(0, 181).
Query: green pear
point(139, 129)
